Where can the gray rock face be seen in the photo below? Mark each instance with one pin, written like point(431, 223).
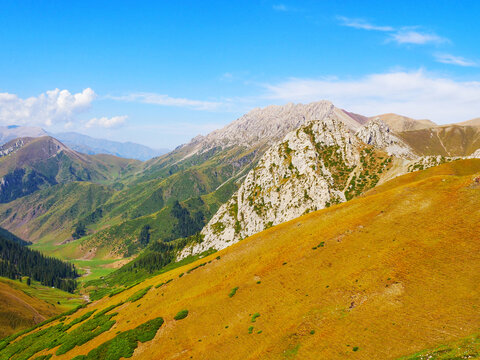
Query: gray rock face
point(311, 168)
point(378, 134)
point(11, 147)
point(267, 125)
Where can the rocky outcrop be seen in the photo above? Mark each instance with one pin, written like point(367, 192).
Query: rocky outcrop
point(475, 154)
point(267, 125)
point(321, 163)
point(378, 134)
point(11, 147)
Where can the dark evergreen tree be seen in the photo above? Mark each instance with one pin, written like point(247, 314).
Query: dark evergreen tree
point(144, 237)
point(17, 260)
point(80, 231)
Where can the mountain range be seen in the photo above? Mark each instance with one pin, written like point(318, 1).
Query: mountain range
point(83, 143)
point(305, 191)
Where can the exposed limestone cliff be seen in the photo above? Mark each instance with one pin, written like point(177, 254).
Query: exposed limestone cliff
point(267, 125)
point(321, 163)
point(378, 134)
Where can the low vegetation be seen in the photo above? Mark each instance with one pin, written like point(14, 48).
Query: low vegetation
point(182, 314)
point(139, 294)
point(124, 344)
point(233, 292)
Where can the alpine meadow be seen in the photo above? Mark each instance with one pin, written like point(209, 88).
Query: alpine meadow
point(239, 180)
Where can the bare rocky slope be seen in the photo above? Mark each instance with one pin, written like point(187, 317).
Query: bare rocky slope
point(325, 161)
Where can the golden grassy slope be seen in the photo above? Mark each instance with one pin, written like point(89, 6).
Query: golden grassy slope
point(22, 306)
point(448, 140)
point(398, 273)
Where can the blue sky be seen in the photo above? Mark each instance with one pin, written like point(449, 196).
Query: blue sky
point(161, 72)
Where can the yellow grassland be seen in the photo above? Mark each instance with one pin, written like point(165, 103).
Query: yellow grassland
point(398, 273)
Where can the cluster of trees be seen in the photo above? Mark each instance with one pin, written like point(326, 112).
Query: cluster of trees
point(158, 254)
point(17, 260)
point(187, 223)
point(80, 231)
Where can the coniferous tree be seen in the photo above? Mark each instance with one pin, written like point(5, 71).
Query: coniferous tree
point(17, 260)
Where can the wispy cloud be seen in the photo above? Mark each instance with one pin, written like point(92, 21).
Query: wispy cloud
point(416, 94)
point(46, 109)
point(105, 122)
point(417, 38)
point(280, 7)
point(402, 35)
point(454, 60)
point(286, 8)
point(165, 100)
point(362, 24)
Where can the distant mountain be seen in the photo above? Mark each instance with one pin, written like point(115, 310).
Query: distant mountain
point(89, 145)
point(472, 122)
point(11, 132)
point(447, 140)
point(30, 164)
point(83, 143)
point(400, 123)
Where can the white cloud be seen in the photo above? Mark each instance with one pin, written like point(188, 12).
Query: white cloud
point(165, 100)
point(362, 24)
point(416, 94)
point(402, 35)
point(54, 106)
point(417, 38)
point(454, 60)
point(105, 122)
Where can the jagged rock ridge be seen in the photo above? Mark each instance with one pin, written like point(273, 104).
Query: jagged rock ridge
point(267, 125)
point(321, 163)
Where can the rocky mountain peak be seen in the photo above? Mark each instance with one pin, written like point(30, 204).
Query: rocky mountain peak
point(269, 125)
point(314, 166)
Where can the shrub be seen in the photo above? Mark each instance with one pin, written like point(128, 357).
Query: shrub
point(182, 314)
point(83, 334)
point(255, 316)
point(107, 309)
point(82, 318)
point(250, 329)
point(43, 357)
point(233, 292)
point(125, 343)
point(355, 348)
point(117, 291)
point(139, 294)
